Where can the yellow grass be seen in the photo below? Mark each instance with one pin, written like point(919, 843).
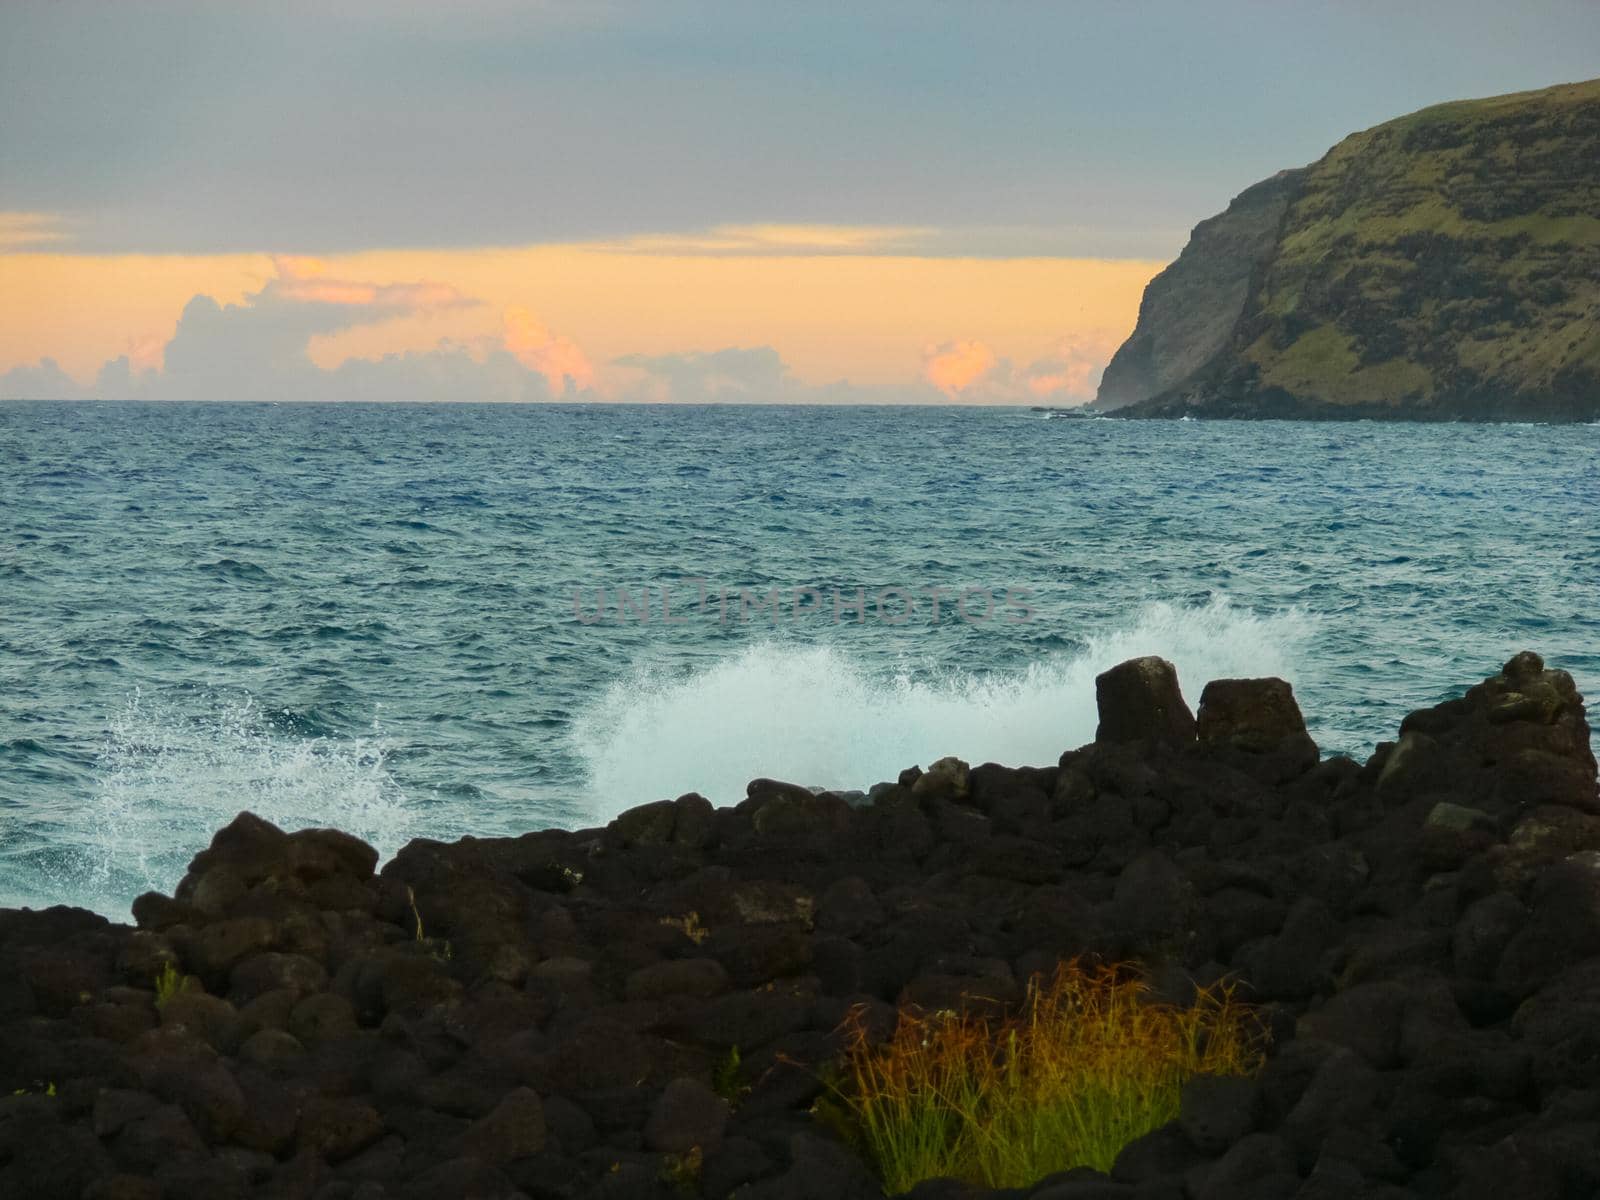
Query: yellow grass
point(1089, 1064)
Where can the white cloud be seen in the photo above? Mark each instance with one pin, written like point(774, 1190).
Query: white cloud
point(451, 372)
point(565, 368)
point(778, 240)
point(30, 231)
point(954, 367)
point(306, 281)
point(258, 350)
point(44, 381)
point(741, 375)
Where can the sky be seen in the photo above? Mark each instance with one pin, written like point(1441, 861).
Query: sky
point(666, 200)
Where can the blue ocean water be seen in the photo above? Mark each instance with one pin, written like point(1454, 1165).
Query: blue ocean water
point(387, 617)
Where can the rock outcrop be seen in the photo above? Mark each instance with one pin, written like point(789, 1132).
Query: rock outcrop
point(643, 1010)
point(1442, 266)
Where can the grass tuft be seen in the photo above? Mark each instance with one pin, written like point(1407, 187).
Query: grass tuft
point(1087, 1065)
point(169, 982)
point(725, 1078)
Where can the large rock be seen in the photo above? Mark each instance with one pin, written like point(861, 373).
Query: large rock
point(1515, 743)
point(687, 1115)
point(1140, 701)
point(1257, 726)
point(515, 1129)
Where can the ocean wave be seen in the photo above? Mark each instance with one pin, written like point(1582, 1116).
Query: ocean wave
point(163, 783)
point(818, 716)
point(237, 570)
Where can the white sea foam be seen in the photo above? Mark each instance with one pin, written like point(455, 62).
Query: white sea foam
point(165, 783)
point(166, 780)
point(815, 716)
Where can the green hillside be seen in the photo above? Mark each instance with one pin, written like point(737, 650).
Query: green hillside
point(1442, 265)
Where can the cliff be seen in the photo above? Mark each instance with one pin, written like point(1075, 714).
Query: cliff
point(1442, 266)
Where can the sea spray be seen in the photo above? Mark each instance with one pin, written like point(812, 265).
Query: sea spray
point(164, 783)
point(819, 716)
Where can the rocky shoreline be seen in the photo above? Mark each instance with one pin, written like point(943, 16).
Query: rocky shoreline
point(642, 1010)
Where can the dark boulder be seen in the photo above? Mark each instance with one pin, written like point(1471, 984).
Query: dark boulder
point(691, 977)
point(1563, 927)
point(1366, 1018)
point(822, 1170)
point(1160, 1154)
point(948, 780)
point(848, 907)
point(1140, 701)
point(1512, 743)
point(43, 1156)
point(1218, 1110)
point(785, 810)
point(687, 1115)
point(337, 1128)
point(1255, 724)
point(739, 1160)
point(1154, 906)
point(1344, 1091)
point(647, 825)
point(1261, 1166)
point(514, 1129)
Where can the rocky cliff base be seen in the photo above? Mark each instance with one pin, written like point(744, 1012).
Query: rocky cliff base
point(557, 1015)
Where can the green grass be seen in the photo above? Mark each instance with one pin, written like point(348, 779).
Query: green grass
point(725, 1078)
point(681, 1172)
point(170, 981)
point(1087, 1066)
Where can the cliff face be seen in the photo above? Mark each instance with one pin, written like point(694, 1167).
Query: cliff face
point(1189, 311)
point(1445, 265)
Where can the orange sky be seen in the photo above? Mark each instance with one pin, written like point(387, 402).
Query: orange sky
point(871, 318)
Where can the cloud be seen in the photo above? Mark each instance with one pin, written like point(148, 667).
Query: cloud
point(30, 231)
point(258, 350)
point(746, 375)
point(776, 240)
point(565, 367)
point(741, 375)
point(953, 367)
point(1072, 370)
point(306, 281)
point(450, 372)
point(45, 381)
point(1068, 373)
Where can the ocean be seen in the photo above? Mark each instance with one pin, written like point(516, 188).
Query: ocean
point(440, 620)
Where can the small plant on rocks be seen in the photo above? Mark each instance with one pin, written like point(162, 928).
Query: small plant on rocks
point(1089, 1064)
point(725, 1078)
point(170, 981)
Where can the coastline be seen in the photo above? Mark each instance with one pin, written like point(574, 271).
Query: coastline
point(547, 1015)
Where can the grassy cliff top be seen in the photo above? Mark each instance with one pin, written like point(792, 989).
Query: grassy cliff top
point(1444, 264)
point(1454, 249)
